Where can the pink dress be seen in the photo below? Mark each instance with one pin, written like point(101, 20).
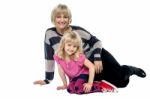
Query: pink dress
point(73, 68)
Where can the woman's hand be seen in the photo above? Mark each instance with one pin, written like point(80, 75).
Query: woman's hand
point(39, 82)
point(98, 66)
point(87, 87)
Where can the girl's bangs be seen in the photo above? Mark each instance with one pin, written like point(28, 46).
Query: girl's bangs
point(73, 41)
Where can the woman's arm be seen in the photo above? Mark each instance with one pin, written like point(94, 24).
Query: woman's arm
point(91, 45)
point(49, 61)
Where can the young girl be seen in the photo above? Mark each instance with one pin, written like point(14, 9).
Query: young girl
point(80, 71)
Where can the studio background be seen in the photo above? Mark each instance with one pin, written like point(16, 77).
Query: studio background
point(123, 26)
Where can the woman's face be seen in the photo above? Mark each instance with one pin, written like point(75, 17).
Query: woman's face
point(62, 22)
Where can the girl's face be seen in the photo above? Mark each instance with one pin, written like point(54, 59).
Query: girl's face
point(61, 22)
point(70, 48)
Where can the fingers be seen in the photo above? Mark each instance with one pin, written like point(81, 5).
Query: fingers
point(98, 67)
point(86, 88)
point(39, 82)
point(61, 87)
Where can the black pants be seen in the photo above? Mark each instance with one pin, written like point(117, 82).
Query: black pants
point(113, 72)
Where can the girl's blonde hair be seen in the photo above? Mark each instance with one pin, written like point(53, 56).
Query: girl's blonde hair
point(60, 9)
point(70, 37)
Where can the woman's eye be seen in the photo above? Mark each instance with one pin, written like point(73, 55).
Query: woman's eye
point(65, 17)
point(58, 16)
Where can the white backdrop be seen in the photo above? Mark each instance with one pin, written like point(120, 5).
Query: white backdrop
point(122, 25)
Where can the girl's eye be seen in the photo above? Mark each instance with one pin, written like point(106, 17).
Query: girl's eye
point(69, 44)
point(74, 46)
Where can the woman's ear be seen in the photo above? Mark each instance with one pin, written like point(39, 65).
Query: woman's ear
point(70, 21)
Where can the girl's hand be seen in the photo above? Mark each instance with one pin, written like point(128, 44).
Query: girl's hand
point(61, 87)
point(87, 87)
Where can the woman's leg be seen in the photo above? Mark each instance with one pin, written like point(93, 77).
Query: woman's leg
point(111, 68)
point(114, 73)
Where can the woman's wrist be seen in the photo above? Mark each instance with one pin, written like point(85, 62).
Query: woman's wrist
point(46, 81)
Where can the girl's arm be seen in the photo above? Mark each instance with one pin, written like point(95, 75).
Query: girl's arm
point(90, 66)
point(63, 78)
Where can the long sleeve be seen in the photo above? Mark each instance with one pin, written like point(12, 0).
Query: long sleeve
point(49, 62)
point(51, 42)
point(92, 46)
point(96, 45)
point(49, 52)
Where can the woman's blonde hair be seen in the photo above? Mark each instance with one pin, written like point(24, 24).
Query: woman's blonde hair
point(70, 37)
point(60, 9)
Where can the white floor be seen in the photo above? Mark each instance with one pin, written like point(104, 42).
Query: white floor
point(123, 27)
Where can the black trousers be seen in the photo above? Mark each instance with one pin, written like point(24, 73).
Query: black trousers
point(113, 72)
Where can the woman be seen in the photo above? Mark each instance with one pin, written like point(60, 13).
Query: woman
point(106, 66)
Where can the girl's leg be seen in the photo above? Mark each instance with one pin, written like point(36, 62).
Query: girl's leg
point(79, 86)
point(70, 87)
point(76, 85)
point(100, 86)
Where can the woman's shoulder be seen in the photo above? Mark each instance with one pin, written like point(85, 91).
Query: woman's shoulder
point(51, 32)
point(74, 27)
point(83, 32)
point(51, 29)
